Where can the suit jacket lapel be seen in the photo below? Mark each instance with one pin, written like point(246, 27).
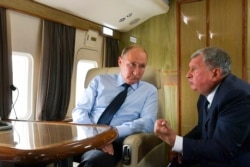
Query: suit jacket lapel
point(211, 111)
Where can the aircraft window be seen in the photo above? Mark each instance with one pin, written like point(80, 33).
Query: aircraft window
point(22, 67)
point(82, 68)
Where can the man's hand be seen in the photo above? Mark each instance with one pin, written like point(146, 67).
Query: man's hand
point(164, 132)
point(108, 148)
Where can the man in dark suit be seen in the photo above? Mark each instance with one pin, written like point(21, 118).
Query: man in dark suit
point(222, 135)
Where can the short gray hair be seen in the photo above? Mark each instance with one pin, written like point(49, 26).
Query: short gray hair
point(130, 47)
point(215, 58)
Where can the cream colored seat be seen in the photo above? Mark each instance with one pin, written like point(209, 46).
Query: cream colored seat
point(143, 149)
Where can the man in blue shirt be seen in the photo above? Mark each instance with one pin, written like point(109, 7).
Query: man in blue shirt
point(137, 114)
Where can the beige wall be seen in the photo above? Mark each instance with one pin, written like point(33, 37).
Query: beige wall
point(26, 38)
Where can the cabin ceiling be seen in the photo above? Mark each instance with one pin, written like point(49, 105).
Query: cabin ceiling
point(120, 15)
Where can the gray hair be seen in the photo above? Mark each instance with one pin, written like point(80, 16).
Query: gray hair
point(215, 58)
point(130, 47)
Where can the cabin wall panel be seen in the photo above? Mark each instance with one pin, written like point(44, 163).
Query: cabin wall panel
point(26, 36)
point(225, 21)
point(192, 37)
point(87, 53)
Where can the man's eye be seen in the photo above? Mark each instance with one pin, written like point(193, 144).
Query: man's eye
point(132, 64)
point(143, 66)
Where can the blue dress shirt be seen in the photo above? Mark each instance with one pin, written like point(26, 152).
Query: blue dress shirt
point(137, 114)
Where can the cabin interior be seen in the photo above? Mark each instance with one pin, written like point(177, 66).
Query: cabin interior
point(169, 39)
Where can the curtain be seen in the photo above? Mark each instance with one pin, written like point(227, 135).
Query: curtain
point(111, 52)
point(56, 71)
point(5, 68)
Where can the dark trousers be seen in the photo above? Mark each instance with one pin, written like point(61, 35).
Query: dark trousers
point(97, 158)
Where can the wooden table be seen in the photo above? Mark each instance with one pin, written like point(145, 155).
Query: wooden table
point(45, 142)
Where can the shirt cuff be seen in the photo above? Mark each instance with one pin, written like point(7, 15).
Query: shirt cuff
point(178, 145)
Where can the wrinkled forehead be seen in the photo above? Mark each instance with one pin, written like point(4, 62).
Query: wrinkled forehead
point(197, 61)
point(137, 58)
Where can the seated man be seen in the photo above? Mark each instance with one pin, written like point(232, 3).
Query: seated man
point(221, 137)
point(137, 114)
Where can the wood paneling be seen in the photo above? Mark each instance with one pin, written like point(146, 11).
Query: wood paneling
point(226, 23)
point(192, 21)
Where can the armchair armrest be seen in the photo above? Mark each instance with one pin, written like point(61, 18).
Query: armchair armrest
point(146, 151)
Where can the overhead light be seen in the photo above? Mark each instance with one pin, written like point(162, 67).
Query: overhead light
point(107, 31)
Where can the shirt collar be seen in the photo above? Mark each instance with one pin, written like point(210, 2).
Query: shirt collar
point(120, 82)
point(210, 97)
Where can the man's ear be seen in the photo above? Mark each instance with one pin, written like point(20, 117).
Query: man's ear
point(217, 73)
point(119, 60)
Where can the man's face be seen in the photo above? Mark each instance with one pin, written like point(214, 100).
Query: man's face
point(200, 77)
point(132, 65)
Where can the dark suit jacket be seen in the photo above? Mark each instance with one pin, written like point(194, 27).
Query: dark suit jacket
point(222, 138)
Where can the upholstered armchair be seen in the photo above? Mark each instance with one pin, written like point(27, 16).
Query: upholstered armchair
point(143, 149)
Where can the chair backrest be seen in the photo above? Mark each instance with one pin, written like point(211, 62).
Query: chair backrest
point(151, 75)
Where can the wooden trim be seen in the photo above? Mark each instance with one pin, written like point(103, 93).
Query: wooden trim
point(178, 21)
point(45, 12)
point(187, 1)
point(244, 40)
point(207, 23)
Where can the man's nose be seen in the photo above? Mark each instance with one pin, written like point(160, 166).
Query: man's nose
point(188, 75)
point(136, 71)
